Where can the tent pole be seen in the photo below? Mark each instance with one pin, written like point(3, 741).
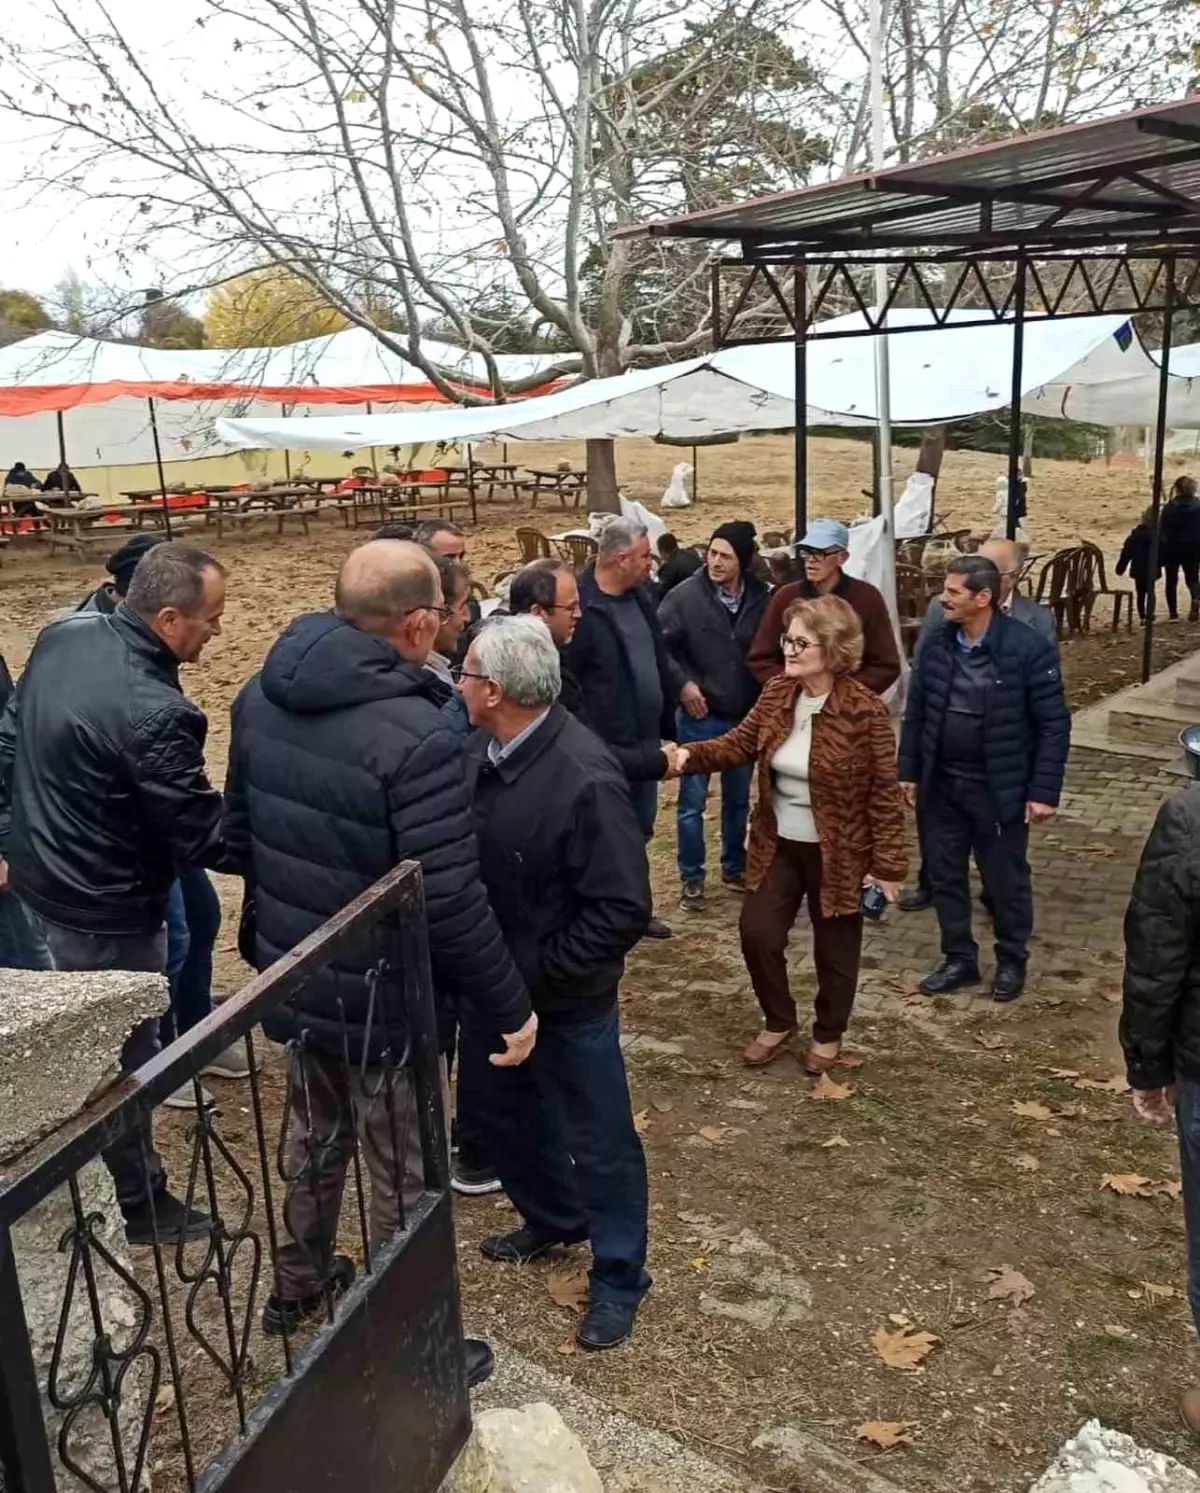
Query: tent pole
point(374, 454)
point(471, 483)
point(800, 443)
point(1012, 517)
point(695, 475)
point(162, 478)
point(1160, 440)
point(62, 453)
point(287, 455)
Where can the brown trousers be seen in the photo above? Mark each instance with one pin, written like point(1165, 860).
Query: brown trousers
point(768, 914)
point(331, 1107)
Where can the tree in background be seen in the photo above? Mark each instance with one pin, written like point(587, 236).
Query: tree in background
point(164, 323)
point(267, 308)
point(21, 315)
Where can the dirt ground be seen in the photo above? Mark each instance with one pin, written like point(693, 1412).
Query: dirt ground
point(786, 1231)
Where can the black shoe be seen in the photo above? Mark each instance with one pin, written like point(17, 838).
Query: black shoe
point(736, 883)
point(988, 905)
point(655, 928)
point(173, 1217)
point(480, 1362)
point(282, 1316)
point(474, 1181)
point(521, 1246)
point(919, 900)
point(1009, 982)
point(691, 897)
point(608, 1324)
point(952, 974)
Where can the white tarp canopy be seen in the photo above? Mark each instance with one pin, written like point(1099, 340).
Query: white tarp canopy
point(938, 374)
point(1114, 387)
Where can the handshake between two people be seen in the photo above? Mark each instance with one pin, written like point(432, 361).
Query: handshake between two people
point(677, 759)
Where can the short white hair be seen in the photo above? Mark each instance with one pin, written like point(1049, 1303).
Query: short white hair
point(519, 655)
point(618, 535)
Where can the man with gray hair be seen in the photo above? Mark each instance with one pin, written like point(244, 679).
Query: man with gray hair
point(104, 797)
point(565, 867)
point(629, 683)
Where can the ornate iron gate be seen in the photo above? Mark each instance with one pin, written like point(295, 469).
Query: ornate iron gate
point(184, 1385)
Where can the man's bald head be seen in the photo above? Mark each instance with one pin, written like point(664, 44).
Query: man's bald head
point(382, 582)
point(1005, 555)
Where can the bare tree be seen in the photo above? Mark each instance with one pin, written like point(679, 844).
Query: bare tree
point(431, 155)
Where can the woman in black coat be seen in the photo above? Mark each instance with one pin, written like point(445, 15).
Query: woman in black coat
point(1180, 543)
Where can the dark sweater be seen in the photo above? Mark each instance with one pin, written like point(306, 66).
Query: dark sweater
point(881, 658)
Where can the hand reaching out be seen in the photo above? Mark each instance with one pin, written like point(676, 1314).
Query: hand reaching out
point(677, 759)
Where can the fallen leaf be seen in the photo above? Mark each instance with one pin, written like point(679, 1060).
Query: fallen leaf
point(699, 1263)
point(834, 1140)
point(899, 1319)
point(1063, 1072)
point(663, 1106)
point(1009, 1285)
point(567, 1348)
point(916, 998)
point(1114, 1085)
point(1112, 992)
point(1026, 1163)
point(826, 1088)
point(1168, 1189)
point(164, 1400)
point(1068, 1111)
point(714, 1134)
point(990, 1040)
point(885, 1433)
point(1030, 1109)
point(1128, 1184)
point(1113, 1329)
point(569, 1290)
point(641, 1122)
point(905, 1349)
point(1158, 1293)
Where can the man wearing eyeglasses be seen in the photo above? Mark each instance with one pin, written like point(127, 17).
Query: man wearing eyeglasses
point(547, 589)
point(825, 549)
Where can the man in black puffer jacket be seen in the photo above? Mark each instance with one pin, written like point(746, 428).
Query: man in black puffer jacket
point(983, 750)
point(1160, 1018)
point(342, 766)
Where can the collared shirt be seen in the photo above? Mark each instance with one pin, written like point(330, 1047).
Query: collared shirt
point(497, 753)
point(965, 643)
point(731, 600)
point(439, 666)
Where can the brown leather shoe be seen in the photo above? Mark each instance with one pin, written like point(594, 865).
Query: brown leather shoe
point(817, 1063)
point(758, 1054)
point(1189, 1410)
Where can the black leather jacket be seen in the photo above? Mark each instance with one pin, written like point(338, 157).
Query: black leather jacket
point(103, 792)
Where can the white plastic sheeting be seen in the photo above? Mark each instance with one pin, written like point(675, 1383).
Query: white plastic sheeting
point(1115, 387)
point(937, 374)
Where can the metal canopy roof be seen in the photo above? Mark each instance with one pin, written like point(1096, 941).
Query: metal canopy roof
point(1129, 179)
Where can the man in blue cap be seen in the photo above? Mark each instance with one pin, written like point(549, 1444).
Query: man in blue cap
point(825, 549)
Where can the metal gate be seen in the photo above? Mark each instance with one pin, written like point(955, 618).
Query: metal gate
point(183, 1386)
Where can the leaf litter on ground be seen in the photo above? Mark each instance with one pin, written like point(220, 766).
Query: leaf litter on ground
point(886, 1433)
point(827, 1088)
point(568, 1289)
point(906, 1348)
point(1007, 1284)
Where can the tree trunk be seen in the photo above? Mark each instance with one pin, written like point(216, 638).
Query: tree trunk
point(1027, 453)
point(602, 478)
point(929, 460)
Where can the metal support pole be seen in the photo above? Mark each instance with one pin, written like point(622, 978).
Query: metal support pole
point(374, 453)
point(1160, 441)
point(287, 455)
point(162, 476)
point(1012, 515)
point(884, 486)
point(800, 300)
point(695, 475)
point(471, 483)
point(62, 454)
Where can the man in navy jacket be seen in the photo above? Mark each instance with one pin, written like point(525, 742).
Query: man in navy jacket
point(983, 750)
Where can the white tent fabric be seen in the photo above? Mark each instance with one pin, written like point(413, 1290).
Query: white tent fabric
point(1115, 387)
point(938, 374)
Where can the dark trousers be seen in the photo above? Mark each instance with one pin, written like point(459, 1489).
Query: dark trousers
point(471, 1123)
point(645, 805)
point(1190, 565)
point(1142, 589)
point(567, 1151)
point(136, 1167)
point(331, 1104)
point(21, 943)
point(1187, 1121)
point(958, 822)
point(768, 915)
point(193, 923)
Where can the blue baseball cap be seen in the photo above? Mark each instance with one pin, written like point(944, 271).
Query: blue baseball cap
point(825, 534)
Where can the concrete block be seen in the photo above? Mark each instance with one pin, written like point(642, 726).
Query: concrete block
point(530, 1450)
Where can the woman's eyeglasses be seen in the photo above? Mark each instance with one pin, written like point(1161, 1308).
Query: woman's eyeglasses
point(796, 645)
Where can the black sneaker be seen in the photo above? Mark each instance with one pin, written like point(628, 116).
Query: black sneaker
point(607, 1324)
point(474, 1181)
point(172, 1217)
point(480, 1362)
point(735, 883)
point(282, 1316)
point(691, 897)
point(656, 928)
point(522, 1246)
point(951, 974)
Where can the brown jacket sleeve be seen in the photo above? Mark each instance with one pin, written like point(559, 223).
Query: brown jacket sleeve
point(735, 748)
point(881, 658)
point(765, 659)
point(885, 805)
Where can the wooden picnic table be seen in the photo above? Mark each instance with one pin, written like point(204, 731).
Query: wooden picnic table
point(375, 503)
point(81, 529)
point(495, 474)
point(568, 484)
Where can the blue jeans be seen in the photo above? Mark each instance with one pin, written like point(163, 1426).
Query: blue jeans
point(1187, 1119)
point(563, 1139)
point(21, 943)
point(693, 794)
point(193, 922)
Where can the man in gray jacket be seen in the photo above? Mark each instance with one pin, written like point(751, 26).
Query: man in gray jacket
point(1005, 555)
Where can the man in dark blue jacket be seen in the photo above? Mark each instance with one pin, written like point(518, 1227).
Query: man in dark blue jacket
point(983, 750)
point(565, 867)
point(341, 766)
point(629, 683)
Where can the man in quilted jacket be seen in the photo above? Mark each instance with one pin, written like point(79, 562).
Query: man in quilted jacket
point(983, 750)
